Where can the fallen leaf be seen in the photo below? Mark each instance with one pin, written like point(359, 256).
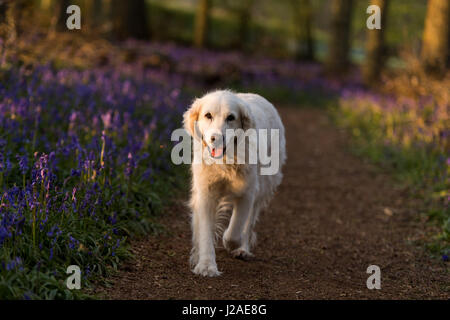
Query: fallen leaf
point(388, 212)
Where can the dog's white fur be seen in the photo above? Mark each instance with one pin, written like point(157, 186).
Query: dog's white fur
point(219, 187)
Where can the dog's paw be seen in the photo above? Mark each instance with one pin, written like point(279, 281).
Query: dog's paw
point(206, 269)
point(242, 254)
point(230, 244)
point(193, 259)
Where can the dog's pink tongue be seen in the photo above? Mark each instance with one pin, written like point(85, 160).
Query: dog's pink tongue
point(216, 152)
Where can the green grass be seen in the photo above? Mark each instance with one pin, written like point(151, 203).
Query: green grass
point(421, 169)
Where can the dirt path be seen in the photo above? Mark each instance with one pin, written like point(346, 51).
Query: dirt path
point(326, 225)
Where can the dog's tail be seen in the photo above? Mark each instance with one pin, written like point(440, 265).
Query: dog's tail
point(223, 213)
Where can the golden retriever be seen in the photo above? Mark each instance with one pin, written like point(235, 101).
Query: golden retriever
point(242, 187)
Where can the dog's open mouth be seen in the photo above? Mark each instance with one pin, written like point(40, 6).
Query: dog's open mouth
point(216, 152)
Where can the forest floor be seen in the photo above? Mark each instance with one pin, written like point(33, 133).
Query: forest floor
point(332, 217)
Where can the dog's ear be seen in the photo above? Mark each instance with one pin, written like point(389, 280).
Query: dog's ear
point(247, 120)
point(191, 116)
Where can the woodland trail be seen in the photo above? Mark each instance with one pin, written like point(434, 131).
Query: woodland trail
point(332, 217)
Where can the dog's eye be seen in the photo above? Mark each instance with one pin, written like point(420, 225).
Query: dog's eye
point(230, 117)
point(208, 116)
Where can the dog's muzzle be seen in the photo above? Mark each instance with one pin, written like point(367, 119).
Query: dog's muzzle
point(216, 152)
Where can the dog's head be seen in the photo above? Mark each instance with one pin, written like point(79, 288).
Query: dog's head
point(210, 116)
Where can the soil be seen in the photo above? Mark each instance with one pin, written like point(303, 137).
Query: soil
point(333, 216)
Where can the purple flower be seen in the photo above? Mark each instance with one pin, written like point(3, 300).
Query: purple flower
point(54, 232)
point(16, 263)
point(23, 163)
point(75, 173)
point(5, 164)
point(113, 218)
point(4, 234)
point(131, 165)
point(73, 243)
point(27, 295)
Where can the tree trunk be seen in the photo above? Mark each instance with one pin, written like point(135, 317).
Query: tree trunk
point(375, 47)
point(130, 19)
point(201, 23)
point(97, 13)
point(92, 15)
point(87, 15)
point(304, 16)
point(435, 42)
point(448, 44)
point(45, 4)
point(11, 14)
point(339, 44)
point(62, 16)
point(245, 15)
point(3, 9)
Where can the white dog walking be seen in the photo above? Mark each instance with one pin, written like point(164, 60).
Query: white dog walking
point(217, 185)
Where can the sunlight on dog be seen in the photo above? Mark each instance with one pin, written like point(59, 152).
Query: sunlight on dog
point(219, 188)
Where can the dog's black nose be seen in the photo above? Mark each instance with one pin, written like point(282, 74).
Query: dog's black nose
point(216, 137)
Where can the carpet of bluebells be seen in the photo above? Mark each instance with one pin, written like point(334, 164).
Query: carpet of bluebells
point(85, 152)
point(84, 159)
point(411, 136)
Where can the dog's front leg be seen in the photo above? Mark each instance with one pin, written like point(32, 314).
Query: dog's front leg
point(203, 223)
point(236, 237)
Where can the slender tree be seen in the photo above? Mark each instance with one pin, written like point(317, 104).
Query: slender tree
point(448, 44)
point(201, 23)
point(88, 15)
point(303, 14)
point(435, 42)
point(242, 9)
point(93, 15)
point(338, 59)
point(3, 9)
point(129, 19)
point(245, 18)
point(375, 47)
point(14, 11)
point(45, 4)
point(61, 14)
point(4, 31)
point(3, 26)
point(97, 13)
